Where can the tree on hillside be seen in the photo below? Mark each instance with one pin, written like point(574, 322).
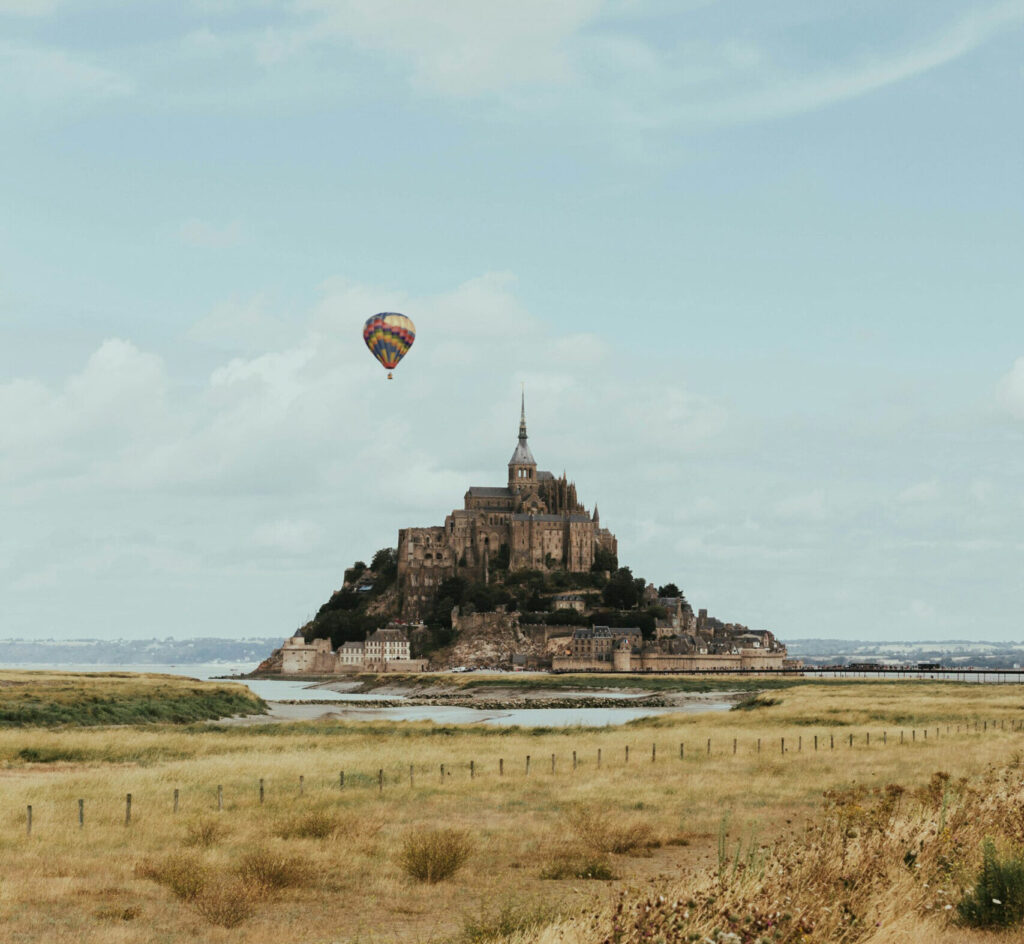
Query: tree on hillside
point(385, 566)
point(604, 560)
point(451, 592)
point(355, 572)
point(623, 590)
point(669, 590)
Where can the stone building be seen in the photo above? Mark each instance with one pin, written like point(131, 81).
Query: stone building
point(535, 521)
point(596, 644)
point(384, 650)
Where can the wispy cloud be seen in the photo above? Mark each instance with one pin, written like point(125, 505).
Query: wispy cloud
point(38, 74)
point(27, 7)
point(204, 234)
point(811, 92)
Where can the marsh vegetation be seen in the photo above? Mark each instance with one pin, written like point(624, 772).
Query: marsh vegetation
point(328, 853)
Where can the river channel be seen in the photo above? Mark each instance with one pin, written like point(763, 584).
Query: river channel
point(290, 700)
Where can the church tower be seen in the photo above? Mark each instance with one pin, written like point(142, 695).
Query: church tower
point(522, 469)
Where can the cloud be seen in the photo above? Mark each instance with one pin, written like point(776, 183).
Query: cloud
point(462, 47)
point(289, 535)
point(318, 409)
point(101, 414)
point(241, 324)
point(206, 235)
point(27, 7)
point(41, 75)
point(920, 493)
point(805, 93)
point(810, 506)
point(1010, 392)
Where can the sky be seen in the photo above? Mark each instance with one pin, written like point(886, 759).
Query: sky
point(757, 265)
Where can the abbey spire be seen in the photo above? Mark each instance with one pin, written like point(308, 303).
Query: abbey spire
point(522, 467)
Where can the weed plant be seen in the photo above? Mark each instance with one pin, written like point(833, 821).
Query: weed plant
point(432, 855)
point(997, 899)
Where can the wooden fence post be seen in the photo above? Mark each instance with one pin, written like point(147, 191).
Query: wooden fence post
point(81, 814)
point(175, 800)
point(758, 745)
point(599, 758)
point(261, 786)
point(127, 809)
point(341, 779)
point(682, 749)
point(815, 741)
point(831, 742)
point(220, 798)
point(782, 745)
point(552, 763)
point(800, 744)
point(411, 781)
point(380, 780)
point(472, 770)
point(501, 766)
point(627, 753)
point(709, 747)
point(654, 752)
point(28, 820)
point(734, 745)
point(527, 765)
point(573, 760)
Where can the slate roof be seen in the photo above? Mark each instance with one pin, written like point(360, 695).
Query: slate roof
point(522, 517)
point(522, 455)
point(488, 491)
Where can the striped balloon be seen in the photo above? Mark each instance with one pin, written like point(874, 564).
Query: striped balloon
point(389, 336)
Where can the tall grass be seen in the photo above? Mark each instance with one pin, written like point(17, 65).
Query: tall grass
point(66, 698)
point(70, 883)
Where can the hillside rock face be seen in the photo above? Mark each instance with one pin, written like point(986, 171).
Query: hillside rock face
point(272, 664)
point(489, 639)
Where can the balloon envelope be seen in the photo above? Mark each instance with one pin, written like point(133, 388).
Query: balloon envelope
point(389, 336)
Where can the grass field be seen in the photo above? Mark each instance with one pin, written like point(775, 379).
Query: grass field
point(57, 698)
point(318, 862)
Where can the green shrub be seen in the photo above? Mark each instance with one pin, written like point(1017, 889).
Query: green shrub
point(262, 869)
point(585, 867)
point(511, 919)
point(754, 702)
point(604, 829)
point(184, 875)
point(204, 833)
point(997, 898)
point(433, 855)
point(226, 904)
point(314, 824)
point(49, 755)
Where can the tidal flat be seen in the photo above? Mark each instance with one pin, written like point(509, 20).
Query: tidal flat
point(300, 831)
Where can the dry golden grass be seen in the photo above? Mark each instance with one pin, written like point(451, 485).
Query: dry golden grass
point(342, 870)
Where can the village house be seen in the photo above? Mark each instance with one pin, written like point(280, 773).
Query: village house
point(384, 650)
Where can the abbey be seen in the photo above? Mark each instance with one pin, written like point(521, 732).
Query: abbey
point(534, 522)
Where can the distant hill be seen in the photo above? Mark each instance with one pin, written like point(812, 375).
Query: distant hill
point(134, 651)
point(951, 653)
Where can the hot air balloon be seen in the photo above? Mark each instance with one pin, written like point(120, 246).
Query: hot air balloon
point(389, 336)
